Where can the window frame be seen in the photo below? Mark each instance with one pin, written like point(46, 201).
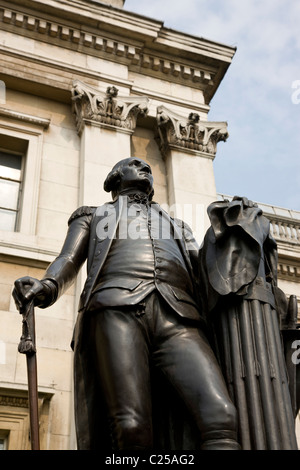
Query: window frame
point(18, 211)
point(31, 174)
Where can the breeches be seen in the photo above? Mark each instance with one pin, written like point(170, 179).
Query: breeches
point(126, 342)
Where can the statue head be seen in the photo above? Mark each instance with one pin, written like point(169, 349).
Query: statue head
point(130, 174)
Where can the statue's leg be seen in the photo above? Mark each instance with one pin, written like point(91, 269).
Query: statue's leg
point(188, 362)
point(121, 357)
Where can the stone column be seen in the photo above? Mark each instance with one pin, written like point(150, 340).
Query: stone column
point(105, 123)
point(189, 146)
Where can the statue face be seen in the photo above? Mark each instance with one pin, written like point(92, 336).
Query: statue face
point(136, 174)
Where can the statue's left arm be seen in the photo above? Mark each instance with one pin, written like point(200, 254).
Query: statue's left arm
point(63, 270)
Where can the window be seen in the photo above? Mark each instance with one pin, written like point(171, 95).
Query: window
point(3, 440)
point(22, 134)
point(10, 190)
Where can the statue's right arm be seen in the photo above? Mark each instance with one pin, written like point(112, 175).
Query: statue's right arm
point(62, 272)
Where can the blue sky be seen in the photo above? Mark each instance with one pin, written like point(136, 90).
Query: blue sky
point(259, 96)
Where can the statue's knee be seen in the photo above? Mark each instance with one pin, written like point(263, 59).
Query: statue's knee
point(221, 415)
point(131, 434)
point(221, 430)
point(230, 415)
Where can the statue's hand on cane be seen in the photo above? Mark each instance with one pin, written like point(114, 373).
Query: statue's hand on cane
point(29, 289)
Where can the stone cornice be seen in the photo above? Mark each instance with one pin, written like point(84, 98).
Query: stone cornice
point(149, 48)
point(288, 268)
point(28, 118)
point(106, 109)
point(190, 134)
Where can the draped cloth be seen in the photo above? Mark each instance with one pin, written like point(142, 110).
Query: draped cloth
point(244, 306)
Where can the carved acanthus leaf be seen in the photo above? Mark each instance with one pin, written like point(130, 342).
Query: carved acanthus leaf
point(107, 108)
point(190, 133)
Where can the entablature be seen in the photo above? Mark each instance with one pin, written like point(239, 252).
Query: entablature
point(140, 43)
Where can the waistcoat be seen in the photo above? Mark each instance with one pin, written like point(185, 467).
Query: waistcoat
point(144, 256)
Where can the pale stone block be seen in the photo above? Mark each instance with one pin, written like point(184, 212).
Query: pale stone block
point(143, 144)
point(131, 51)
point(30, 23)
point(10, 272)
point(35, 272)
point(10, 327)
point(111, 68)
point(160, 194)
point(7, 16)
point(8, 362)
point(146, 61)
point(62, 137)
point(53, 29)
point(57, 197)
point(76, 36)
point(166, 68)
point(158, 171)
point(59, 442)
point(37, 106)
point(65, 33)
point(110, 45)
point(198, 171)
point(61, 115)
point(54, 369)
point(5, 295)
point(150, 83)
point(59, 154)
point(187, 93)
point(19, 19)
point(53, 333)
point(290, 287)
point(60, 418)
point(57, 172)
point(87, 39)
point(120, 49)
point(99, 43)
point(104, 146)
point(42, 27)
point(92, 192)
point(53, 224)
point(13, 41)
point(65, 309)
point(156, 64)
point(99, 152)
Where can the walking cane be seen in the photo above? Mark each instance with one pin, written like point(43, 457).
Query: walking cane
point(27, 346)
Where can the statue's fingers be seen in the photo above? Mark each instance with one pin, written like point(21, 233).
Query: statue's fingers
point(35, 289)
point(16, 298)
point(26, 288)
point(20, 286)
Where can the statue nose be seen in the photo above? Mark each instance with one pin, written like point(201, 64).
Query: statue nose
point(146, 168)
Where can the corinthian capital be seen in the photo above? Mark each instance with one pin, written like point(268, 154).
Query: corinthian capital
point(189, 133)
point(108, 109)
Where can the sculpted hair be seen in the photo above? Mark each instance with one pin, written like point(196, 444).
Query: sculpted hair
point(112, 180)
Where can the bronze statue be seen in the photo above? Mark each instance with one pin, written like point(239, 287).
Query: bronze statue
point(148, 333)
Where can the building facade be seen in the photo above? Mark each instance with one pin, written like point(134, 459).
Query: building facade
point(83, 84)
